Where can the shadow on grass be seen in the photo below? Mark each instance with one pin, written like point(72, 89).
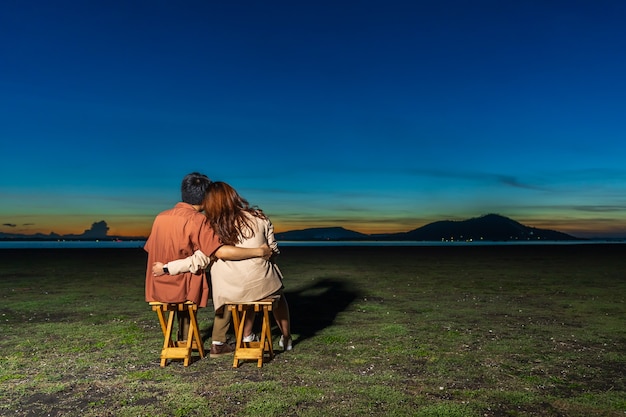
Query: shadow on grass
point(315, 307)
point(311, 308)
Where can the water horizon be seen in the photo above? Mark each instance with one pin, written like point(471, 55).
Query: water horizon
point(129, 244)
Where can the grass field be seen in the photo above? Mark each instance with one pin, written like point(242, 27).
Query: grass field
point(410, 331)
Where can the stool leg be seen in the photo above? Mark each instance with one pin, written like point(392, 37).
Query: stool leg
point(167, 342)
point(268, 332)
point(159, 310)
point(194, 331)
point(235, 317)
point(262, 343)
point(242, 318)
point(190, 336)
point(236, 324)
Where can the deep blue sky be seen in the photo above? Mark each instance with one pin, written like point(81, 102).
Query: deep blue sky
point(379, 116)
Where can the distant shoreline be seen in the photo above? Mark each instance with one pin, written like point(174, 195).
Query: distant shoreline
point(125, 244)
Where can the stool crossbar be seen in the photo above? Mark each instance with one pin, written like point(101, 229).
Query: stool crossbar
point(253, 350)
point(178, 349)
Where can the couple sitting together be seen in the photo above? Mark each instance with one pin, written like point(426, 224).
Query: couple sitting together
point(214, 229)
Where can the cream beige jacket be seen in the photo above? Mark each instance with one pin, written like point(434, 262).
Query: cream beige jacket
point(247, 280)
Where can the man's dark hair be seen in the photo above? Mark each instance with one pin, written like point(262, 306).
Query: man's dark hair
point(194, 188)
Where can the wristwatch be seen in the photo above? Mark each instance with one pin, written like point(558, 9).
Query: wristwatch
point(166, 270)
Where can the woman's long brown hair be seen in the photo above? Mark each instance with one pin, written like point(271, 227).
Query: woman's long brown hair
point(226, 211)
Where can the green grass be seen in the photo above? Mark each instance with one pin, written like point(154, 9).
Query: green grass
point(423, 331)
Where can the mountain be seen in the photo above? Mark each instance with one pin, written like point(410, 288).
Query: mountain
point(34, 236)
point(322, 233)
point(491, 227)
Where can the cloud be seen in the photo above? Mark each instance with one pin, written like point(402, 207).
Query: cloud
point(514, 182)
point(482, 177)
point(601, 208)
point(98, 229)
point(9, 224)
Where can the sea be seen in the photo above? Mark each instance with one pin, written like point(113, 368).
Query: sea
point(124, 244)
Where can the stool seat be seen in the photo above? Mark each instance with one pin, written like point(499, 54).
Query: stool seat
point(178, 349)
point(253, 350)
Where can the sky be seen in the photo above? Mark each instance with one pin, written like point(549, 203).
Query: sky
point(376, 116)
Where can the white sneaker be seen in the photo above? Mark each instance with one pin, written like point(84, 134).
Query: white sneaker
point(251, 338)
point(281, 343)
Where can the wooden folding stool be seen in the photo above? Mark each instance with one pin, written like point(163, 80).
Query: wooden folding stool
point(177, 349)
point(253, 350)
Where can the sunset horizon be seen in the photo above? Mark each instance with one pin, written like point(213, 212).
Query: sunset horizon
point(379, 117)
point(582, 231)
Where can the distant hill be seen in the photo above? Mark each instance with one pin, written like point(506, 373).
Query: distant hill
point(34, 236)
point(98, 231)
point(322, 233)
point(491, 227)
